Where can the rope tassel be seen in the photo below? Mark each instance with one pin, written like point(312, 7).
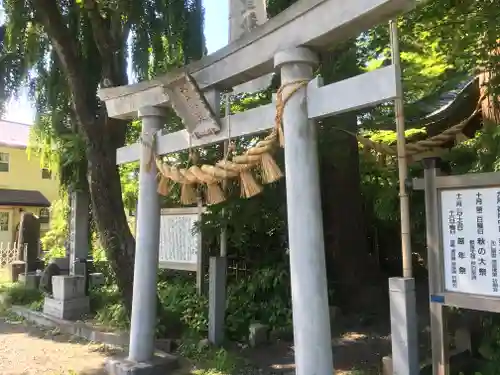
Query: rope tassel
point(164, 185)
point(249, 186)
point(271, 172)
point(214, 194)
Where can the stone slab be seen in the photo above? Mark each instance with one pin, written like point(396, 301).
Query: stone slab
point(31, 280)
point(159, 365)
point(87, 331)
point(79, 329)
point(62, 263)
point(96, 279)
point(71, 309)
point(258, 335)
point(66, 287)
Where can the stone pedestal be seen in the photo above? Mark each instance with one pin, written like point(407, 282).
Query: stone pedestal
point(158, 365)
point(404, 332)
point(69, 300)
point(72, 309)
point(259, 335)
point(68, 287)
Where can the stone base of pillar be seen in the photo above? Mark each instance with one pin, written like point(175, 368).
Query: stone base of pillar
point(404, 331)
point(159, 365)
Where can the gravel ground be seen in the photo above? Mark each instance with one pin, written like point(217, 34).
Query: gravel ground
point(29, 350)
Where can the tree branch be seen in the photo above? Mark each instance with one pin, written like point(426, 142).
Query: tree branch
point(51, 18)
point(108, 44)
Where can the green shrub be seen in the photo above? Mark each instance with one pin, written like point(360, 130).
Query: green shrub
point(208, 359)
point(181, 306)
point(263, 296)
point(18, 294)
point(108, 307)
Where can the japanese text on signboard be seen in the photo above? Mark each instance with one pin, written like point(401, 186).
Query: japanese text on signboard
point(470, 232)
point(178, 242)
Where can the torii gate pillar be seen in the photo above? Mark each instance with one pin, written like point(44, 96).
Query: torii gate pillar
point(311, 320)
point(143, 321)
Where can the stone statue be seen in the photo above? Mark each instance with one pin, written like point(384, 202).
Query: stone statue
point(52, 269)
point(29, 235)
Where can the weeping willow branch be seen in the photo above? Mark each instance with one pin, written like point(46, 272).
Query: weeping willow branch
point(67, 51)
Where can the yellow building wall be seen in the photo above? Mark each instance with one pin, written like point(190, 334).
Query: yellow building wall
point(26, 174)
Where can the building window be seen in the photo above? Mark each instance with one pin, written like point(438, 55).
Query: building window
point(4, 162)
point(4, 221)
point(44, 215)
point(46, 174)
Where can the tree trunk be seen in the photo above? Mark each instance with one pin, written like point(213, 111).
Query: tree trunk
point(108, 210)
point(349, 264)
point(102, 135)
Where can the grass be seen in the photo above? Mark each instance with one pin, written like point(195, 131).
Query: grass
point(18, 294)
point(4, 275)
point(209, 360)
point(203, 358)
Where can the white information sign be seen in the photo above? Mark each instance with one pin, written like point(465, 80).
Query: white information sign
point(471, 235)
point(179, 245)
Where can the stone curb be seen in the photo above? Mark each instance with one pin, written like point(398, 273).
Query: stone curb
point(78, 329)
point(84, 331)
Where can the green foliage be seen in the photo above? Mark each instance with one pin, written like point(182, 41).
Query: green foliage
point(62, 152)
point(108, 307)
point(207, 359)
point(380, 183)
point(442, 43)
point(179, 298)
point(130, 185)
point(64, 52)
point(264, 296)
point(54, 240)
point(18, 294)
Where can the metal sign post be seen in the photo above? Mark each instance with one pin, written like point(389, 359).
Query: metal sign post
point(463, 236)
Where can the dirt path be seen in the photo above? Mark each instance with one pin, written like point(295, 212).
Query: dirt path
point(29, 350)
point(358, 342)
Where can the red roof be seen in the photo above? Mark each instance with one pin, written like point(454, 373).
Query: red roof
point(14, 134)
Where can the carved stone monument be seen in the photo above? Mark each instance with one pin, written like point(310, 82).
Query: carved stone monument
point(66, 298)
point(78, 231)
point(29, 234)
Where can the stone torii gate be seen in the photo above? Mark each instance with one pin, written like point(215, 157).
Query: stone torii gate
point(288, 42)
